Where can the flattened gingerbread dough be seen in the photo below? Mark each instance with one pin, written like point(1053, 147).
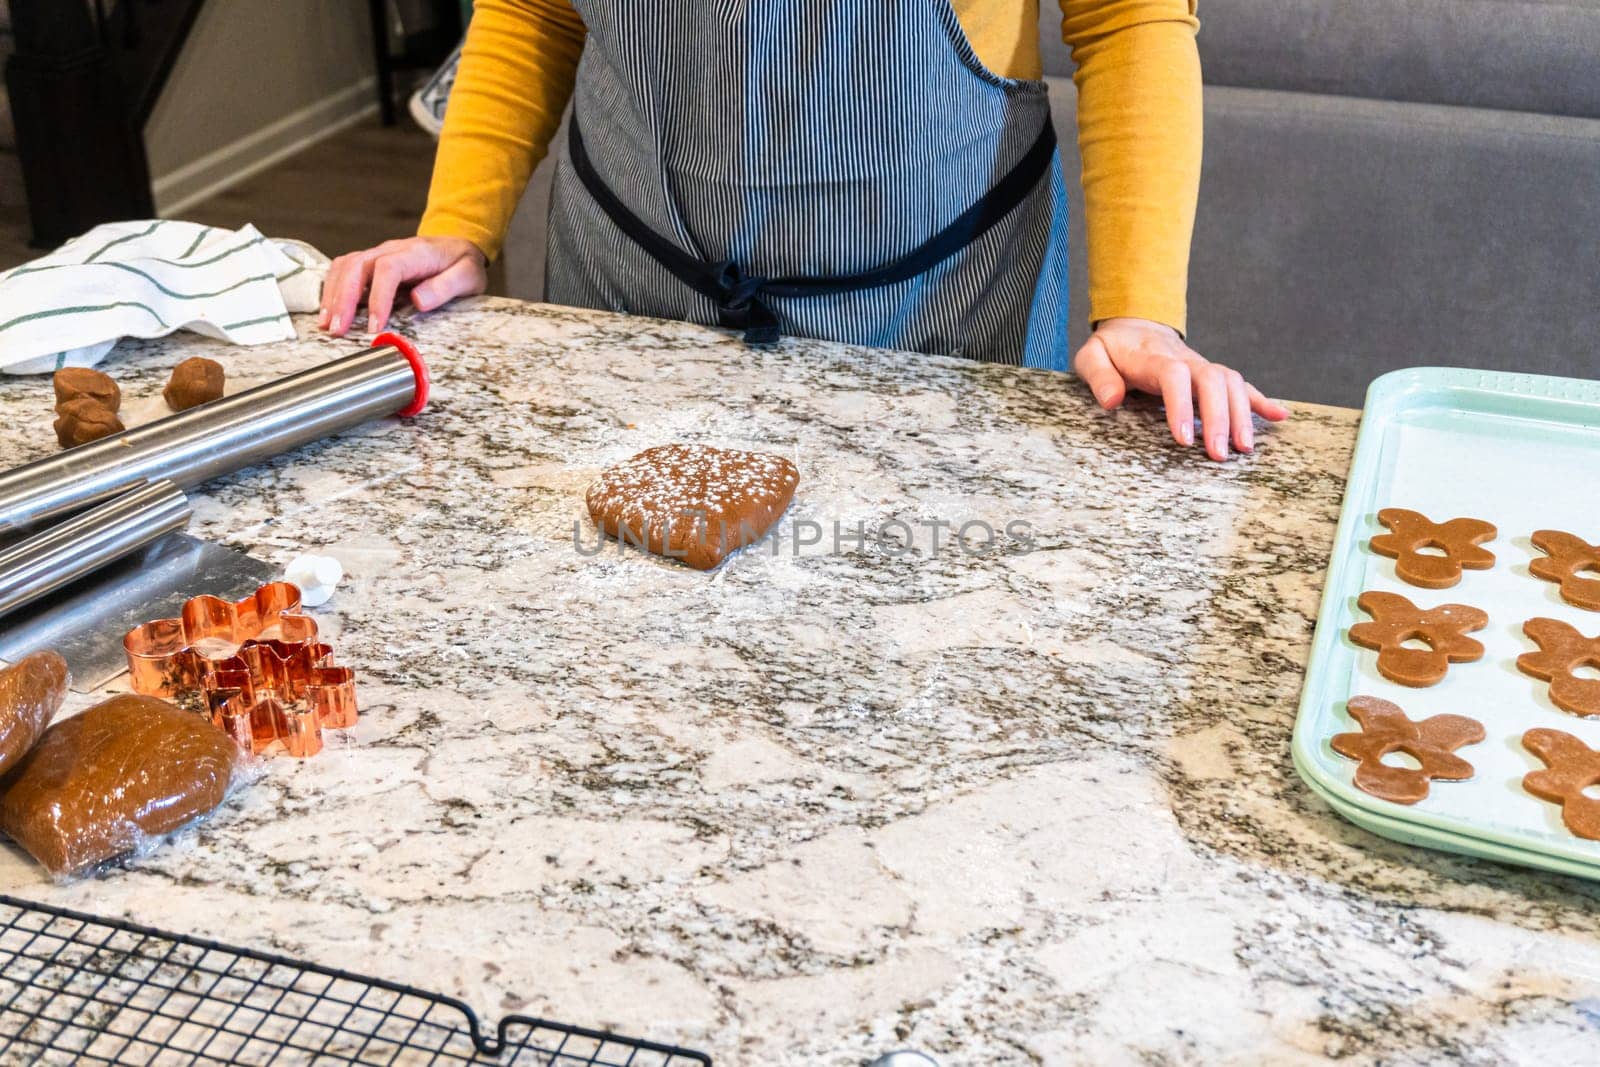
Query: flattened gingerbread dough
point(1570, 767)
point(1431, 742)
point(1411, 532)
point(1396, 620)
point(693, 503)
point(1563, 651)
point(1570, 562)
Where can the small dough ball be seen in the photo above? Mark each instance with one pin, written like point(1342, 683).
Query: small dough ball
point(83, 420)
point(195, 381)
point(75, 383)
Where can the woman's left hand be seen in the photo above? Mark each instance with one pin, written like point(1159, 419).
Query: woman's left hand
point(1139, 354)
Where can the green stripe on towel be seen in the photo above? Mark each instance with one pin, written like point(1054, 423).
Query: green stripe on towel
point(155, 282)
point(125, 237)
point(221, 255)
point(203, 231)
point(87, 309)
point(18, 272)
point(189, 296)
point(254, 322)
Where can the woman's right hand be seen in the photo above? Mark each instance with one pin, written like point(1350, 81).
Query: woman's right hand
point(438, 269)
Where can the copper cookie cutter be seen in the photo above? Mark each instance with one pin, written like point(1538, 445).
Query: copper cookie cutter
point(255, 667)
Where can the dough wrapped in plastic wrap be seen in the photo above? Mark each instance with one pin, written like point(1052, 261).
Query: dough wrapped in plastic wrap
point(31, 692)
point(103, 783)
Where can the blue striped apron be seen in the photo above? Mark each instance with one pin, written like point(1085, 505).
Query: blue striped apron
point(839, 169)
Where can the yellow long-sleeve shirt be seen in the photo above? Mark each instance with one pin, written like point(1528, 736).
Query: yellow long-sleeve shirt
point(1139, 128)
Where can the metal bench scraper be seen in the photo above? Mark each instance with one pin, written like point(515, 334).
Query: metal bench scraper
point(84, 620)
point(80, 579)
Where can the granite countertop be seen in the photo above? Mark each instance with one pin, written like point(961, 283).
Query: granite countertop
point(1026, 805)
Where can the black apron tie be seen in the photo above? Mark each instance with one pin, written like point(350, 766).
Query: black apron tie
point(740, 307)
point(739, 297)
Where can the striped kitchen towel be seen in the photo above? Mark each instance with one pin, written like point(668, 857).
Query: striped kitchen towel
point(147, 279)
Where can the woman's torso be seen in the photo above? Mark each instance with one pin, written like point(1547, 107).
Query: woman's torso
point(811, 138)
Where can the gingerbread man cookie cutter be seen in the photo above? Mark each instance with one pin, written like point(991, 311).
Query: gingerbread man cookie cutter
point(1569, 561)
point(1410, 533)
point(1570, 767)
point(1563, 651)
point(1431, 742)
point(256, 667)
point(1396, 620)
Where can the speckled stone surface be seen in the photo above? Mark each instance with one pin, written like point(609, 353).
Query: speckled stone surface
point(1030, 805)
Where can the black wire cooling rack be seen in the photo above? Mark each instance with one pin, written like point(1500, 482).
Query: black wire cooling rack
point(76, 988)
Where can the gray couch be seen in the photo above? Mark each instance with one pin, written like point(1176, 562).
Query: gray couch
point(1388, 183)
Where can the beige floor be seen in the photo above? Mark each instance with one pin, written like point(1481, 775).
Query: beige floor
point(352, 191)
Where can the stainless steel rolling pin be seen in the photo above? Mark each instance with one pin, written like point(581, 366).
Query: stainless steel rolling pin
point(221, 437)
point(70, 550)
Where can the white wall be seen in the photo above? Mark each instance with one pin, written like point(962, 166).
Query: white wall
point(257, 80)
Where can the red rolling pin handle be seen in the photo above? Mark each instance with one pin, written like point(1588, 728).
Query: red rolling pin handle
point(418, 367)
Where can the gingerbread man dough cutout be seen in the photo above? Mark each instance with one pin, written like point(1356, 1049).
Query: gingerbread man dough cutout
point(1562, 652)
point(1431, 742)
point(1570, 562)
point(1396, 620)
point(1570, 767)
point(1410, 533)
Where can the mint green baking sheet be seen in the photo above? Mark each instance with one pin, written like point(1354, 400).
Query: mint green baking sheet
point(1523, 452)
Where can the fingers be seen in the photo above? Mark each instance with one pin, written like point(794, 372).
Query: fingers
point(1270, 410)
point(330, 286)
point(342, 290)
point(405, 262)
point(465, 277)
point(388, 268)
point(1239, 420)
point(343, 274)
point(354, 284)
point(1149, 357)
point(1177, 392)
point(1093, 364)
point(388, 274)
point(1211, 386)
